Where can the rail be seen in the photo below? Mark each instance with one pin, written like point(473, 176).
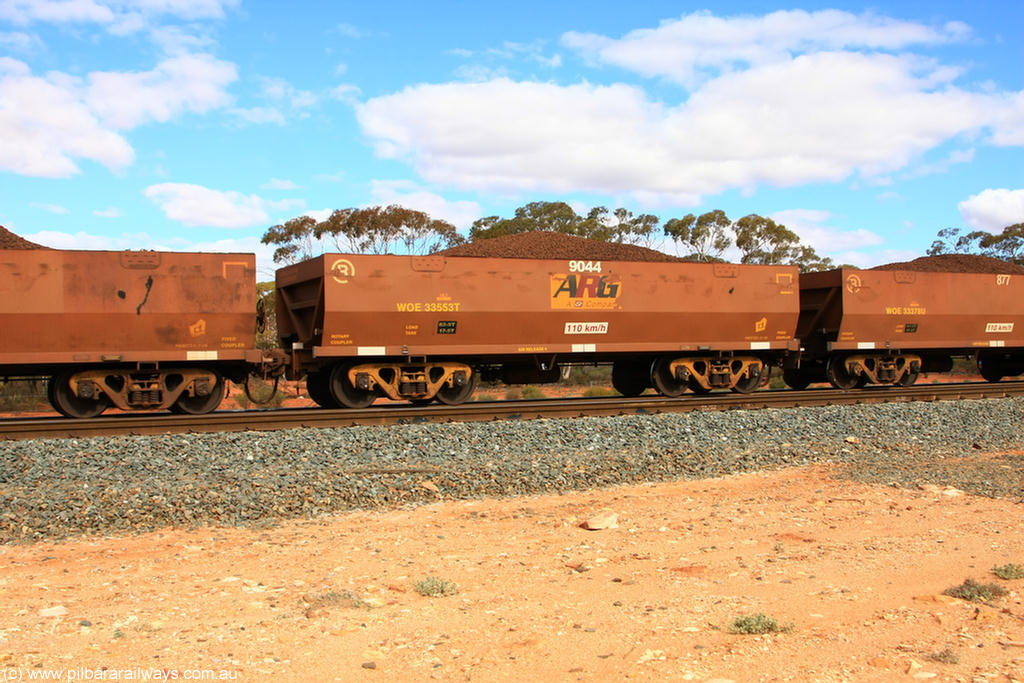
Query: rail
point(316, 418)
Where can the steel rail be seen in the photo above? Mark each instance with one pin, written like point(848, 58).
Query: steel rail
point(314, 418)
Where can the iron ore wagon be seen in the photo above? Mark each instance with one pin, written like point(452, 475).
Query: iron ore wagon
point(424, 328)
point(133, 329)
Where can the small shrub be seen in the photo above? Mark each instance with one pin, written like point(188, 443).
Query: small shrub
point(587, 375)
point(436, 587)
point(513, 393)
point(261, 391)
point(336, 599)
point(23, 396)
point(757, 624)
point(1008, 572)
point(973, 591)
point(484, 397)
point(532, 392)
point(947, 656)
point(599, 391)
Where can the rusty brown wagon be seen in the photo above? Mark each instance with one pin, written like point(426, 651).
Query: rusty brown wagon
point(132, 329)
point(888, 326)
point(425, 328)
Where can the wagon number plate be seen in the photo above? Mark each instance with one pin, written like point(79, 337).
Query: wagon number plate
point(584, 266)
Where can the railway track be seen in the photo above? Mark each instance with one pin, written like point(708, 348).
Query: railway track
point(294, 418)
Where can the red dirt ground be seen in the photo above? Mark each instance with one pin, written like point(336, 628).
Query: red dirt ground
point(858, 572)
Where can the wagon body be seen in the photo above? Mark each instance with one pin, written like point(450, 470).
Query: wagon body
point(888, 326)
point(848, 309)
point(83, 308)
point(352, 305)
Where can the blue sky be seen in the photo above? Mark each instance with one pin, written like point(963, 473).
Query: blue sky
point(197, 124)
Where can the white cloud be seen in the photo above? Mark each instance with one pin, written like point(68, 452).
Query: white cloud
point(319, 214)
point(346, 93)
point(259, 115)
point(533, 51)
point(553, 61)
point(279, 184)
point(196, 205)
point(461, 214)
point(809, 224)
point(193, 83)
point(784, 99)
point(289, 205)
point(957, 156)
point(819, 117)
point(23, 12)
point(500, 62)
point(1009, 129)
point(118, 16)
point(20, 42)
point(993, 210)
point(864, 259)
point(332, 177)
point(184, 9)
point(278, 89)
point(45, 124)
point(174, 40)
point(111, 212)
point(282, 97)
point(83, 240)
point(517, 135)
point(686, 49)
point(51, 208)
point(349, 31)
point(479, 73)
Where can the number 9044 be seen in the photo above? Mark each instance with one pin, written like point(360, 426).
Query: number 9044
point(584, 266)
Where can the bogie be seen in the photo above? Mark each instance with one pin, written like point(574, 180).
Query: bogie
point(345, 392)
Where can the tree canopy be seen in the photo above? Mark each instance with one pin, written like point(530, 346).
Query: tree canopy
point(707, 237)
point(703, 238)
point(600, 224)
point(758, 239)
point(373, 230)
point(1007, 245)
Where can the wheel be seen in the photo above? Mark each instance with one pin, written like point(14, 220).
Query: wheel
point(696, 387)
point(630, 379)
point(838, 376)
point(68, 404)
point(796, 378)
point(453, 396)
point(908, 379)
point(664, 381)
point(200, 405)
point(750, 384)
point(344, 393)
point(990, 369)
point(318, 386)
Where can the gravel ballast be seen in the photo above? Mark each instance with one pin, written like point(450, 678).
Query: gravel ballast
point(52, 489)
